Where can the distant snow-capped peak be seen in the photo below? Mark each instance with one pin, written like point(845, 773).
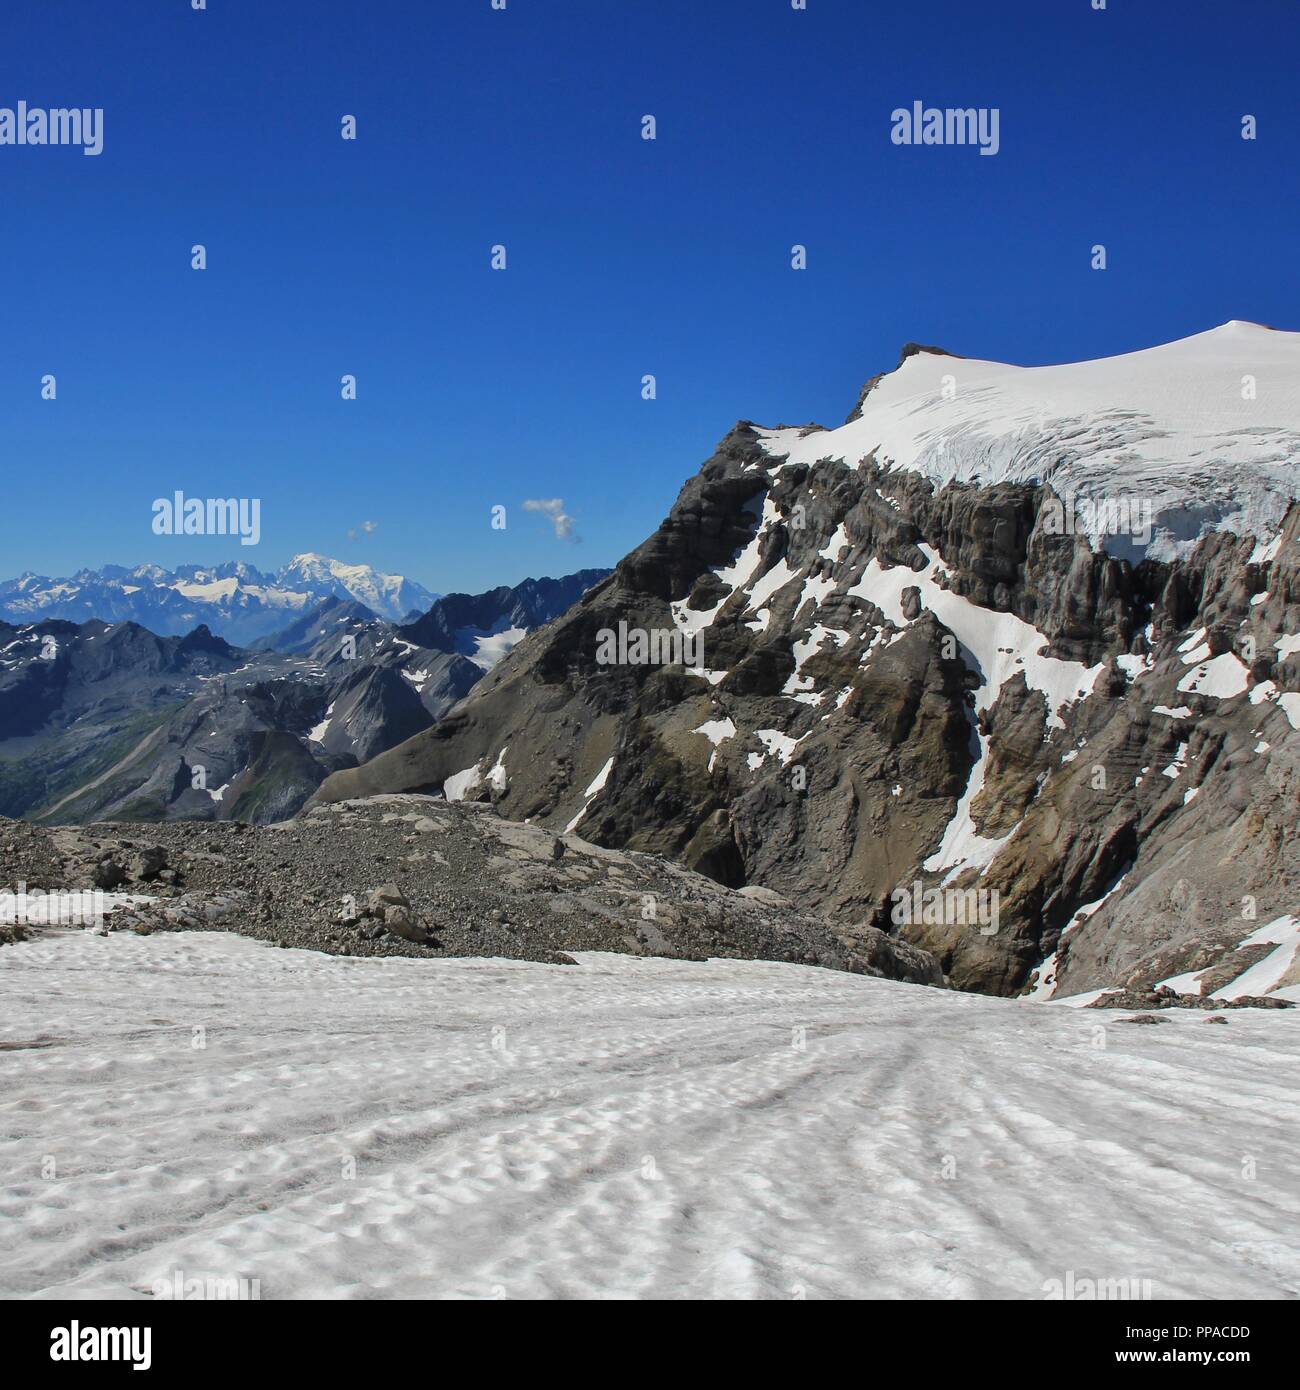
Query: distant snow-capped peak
point(1206, 428)
point(391, 596)
point(234, 599)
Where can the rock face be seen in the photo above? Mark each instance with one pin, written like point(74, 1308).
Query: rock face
point(418, 876)
point(923, 668)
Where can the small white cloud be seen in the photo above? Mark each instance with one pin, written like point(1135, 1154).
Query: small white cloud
point(367, 528)
point(553, 509)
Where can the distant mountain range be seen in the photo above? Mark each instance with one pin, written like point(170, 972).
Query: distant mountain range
point(233, 600)
point(110, 721)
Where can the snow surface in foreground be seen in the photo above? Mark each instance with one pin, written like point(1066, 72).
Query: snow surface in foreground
point(623, 1128)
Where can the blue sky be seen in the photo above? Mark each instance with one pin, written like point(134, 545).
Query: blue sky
point(625, 256)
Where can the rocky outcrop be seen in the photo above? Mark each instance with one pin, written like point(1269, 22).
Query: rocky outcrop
point(417, 876)
point(1163, 997)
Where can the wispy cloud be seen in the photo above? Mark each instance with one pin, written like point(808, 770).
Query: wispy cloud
point(367, 528)
point(553, 509)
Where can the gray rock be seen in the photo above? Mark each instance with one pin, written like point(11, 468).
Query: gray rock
point(108, 874)
point(401, 921)
point(149, 864)
point(387, 895)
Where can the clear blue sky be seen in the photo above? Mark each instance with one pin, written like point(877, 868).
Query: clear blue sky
point(626, 257)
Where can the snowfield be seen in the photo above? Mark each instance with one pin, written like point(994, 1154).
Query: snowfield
point(624, 1128)
point(1206, 428)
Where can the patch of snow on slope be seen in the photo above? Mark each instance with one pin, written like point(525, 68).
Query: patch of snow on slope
point(1187, 983)
point(759, 624)
point(778, 744)
point(1175, 768)
point(460, 783)
point(838, 542)
point(1193, 644)
point(592, 792)
point(776, 578)
point(962, 846)
point(496, 777)
point(317, 734)
point(485, 648)
point(816, 590)
point(1134, 666)
point(1265, 975)
point(716, 730)
point(1222, 677)
point(1287, 700)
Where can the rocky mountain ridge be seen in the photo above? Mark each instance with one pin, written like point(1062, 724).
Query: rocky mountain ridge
point(925, 667)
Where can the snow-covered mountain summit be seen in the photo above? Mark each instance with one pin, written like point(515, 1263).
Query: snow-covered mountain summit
point(1205, 429)
point(392, 596)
